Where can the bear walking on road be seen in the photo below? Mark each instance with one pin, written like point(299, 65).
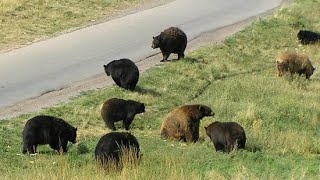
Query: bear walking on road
point(112, 148)
point(171, 40)
point(225, 135)
point(47, 130)
point(124, 73)
point(116, 109)
point(294, 63)
point(183, 123)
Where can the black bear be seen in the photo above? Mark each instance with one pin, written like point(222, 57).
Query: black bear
point(183, 122)
point(308, 37)
point(116, 109)
point(113, 147)
point(225, 135)
point(47, 130)
point(124, 73)
point(171, 40)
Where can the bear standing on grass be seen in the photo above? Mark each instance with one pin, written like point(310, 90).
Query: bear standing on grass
point(115, 109)
point(183, 123)
point(308, 37)
point(294, 63)
point(225, 135)
point(171, 40)
point(123, 72)
point(47, 130)
point(113, 146)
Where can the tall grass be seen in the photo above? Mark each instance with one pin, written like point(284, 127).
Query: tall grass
point(238, 79)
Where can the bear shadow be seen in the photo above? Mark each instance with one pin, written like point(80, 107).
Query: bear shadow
point(147, 91)
point(186, 59)
point(253, 149)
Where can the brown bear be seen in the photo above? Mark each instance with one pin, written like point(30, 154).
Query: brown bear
point(116, 109)
point(183, 122)
point(112, 146)
point(294, 63)
point(171, 40)
point(225, 135)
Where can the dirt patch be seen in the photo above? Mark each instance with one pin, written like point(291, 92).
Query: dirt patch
point(99, 81)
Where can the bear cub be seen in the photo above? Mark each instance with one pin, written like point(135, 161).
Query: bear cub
point(225, 135)
point(116, 109)
point(183, 122)
point(124, 73)
point(47, 130)
point(294, 63)
point(112, 146)
point(171, 40)
point(308, 37)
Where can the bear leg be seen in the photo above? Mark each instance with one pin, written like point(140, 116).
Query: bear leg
point(110, 125)
point(32, 149)
point(127, 122)
point(64, 144)
point(180, 55)
point(165, 55)
point(219, 146)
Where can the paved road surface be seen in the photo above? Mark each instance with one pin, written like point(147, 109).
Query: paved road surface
point(55, 63)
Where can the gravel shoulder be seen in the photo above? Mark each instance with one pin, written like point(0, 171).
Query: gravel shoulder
point(64, 95)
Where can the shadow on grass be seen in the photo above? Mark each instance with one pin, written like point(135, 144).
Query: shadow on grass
point(147, 91)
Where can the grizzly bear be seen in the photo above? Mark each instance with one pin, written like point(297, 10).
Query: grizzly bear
point(183, 123)
point(171, 40)
point(112, 146)
point(116, 109)
point(308, 37)
point(294, 63)
point(225, 135)
point(47, 130)
point(124, 73)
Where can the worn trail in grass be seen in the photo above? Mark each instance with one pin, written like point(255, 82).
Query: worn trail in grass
point(237, 79)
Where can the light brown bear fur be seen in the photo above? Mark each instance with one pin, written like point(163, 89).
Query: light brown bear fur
point(294, 63)
point(183, 122)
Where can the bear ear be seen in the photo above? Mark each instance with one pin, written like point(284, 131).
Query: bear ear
point(152, 37)
point(76, 129)
point(206, 127)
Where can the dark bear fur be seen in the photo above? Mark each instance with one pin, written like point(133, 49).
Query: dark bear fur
point(225, 135)
point(47, 130)
point(171, 40)
point(183, 123)
point(294, 63)
point(111, 146)
point(308, 37)
point(124, 73)
point(115, 109)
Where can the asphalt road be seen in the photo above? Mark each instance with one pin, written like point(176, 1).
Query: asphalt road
point(52, 64)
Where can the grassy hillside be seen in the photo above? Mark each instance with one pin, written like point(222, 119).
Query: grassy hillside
point(237, 79)
point(23, 21)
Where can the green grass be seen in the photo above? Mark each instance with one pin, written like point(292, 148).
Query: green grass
point(238, 79)
point(24, 21)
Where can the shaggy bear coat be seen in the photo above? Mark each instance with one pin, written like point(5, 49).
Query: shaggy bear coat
point(47, 130)
point(171, 40)
point(294, 63)
point(183, 123)
point(111, 147)
point(225, 135)
point(116, 109)
point(124, 73)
